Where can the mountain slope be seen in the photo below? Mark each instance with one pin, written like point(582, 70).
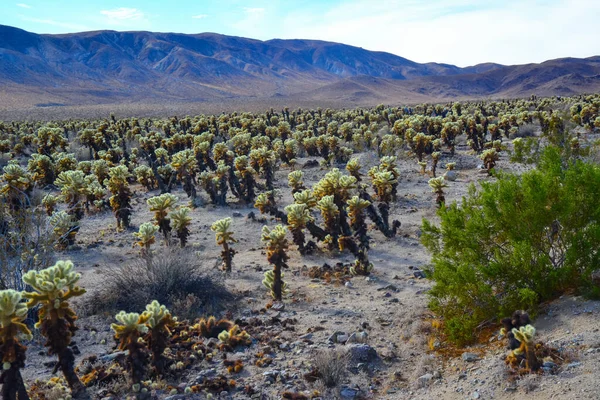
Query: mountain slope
point(108, 66)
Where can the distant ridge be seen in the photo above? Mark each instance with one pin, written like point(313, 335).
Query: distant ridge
point(104, 67)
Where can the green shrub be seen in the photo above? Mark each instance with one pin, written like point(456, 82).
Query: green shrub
point(515, 243)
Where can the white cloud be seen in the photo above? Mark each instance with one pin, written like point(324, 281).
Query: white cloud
point(23, 5)
point(200, 16)
point(123, 14)
point(461, 32)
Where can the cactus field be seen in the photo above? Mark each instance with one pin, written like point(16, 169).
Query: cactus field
point(419, 251)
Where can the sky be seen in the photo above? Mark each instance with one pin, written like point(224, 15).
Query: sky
point(459, 32)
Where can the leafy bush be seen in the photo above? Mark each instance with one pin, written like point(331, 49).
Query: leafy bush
point(515, 243)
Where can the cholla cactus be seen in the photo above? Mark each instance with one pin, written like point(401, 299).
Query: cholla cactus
point(356, 208)
point(120, 201)
point(525, 335)
point(224, 237)
point(450, 166)
point(295, 181)
point(305, 197)
point(145, 176)
point(160, 205)
point(65, 228)
point(435, 158)
point(420, 144)
point(298, 216)
point(277, 245)
point(233, 338)
point(53, 288)
point(383, 183)
point(129, 332)
point(265, 202)
point(162, 155)
point(49, 202)
point(50, 138)
point(356, 212)
point(73, 188)
point(266, 161)
point(353, 167)
point(181, 224)
point(64, 162)
point(185, 165)
point(159, 322)
point(437, 186)
point(220, 181)
point(211, 328)
point(101, 168)
point(423, 165)
point(146, 237)
point(245, 174)
point(331, 217)
point(489, 158)
point(12, 316)
point(42, 169)
point(17, 185)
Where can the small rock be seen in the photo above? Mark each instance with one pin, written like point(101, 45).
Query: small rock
point(111, 357)
point(451, 175)
point(334, 338)
point(278, 306)
point(475, 395)
point(419, 274)
point(349, 393)
point(357, 337)
point(424, 380)
point(349, 285)
point(362, 353)
point(237, 214)
point(573, 365)
point(342, 338)
point(388, 287)
point(308, 336)
point(437, 375)
point(470, 357)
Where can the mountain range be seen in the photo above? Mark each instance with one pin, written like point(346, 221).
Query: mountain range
point(109, 67)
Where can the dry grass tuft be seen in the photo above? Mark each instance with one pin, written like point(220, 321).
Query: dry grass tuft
point(174, 278)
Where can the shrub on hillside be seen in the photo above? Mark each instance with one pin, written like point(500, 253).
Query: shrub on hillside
point(515, 243)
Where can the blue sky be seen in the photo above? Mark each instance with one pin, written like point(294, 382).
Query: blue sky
point(460, 32)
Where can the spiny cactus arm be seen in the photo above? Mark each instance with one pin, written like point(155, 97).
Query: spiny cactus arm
point(162, 202)
point(146, 233)
point(437, 184)
point(54, 284)
point(156, 315)
point(305, 197)
point(12, 314)
point(129, 322)
point(223, 234)
point(275, 237)
point(524, 334)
